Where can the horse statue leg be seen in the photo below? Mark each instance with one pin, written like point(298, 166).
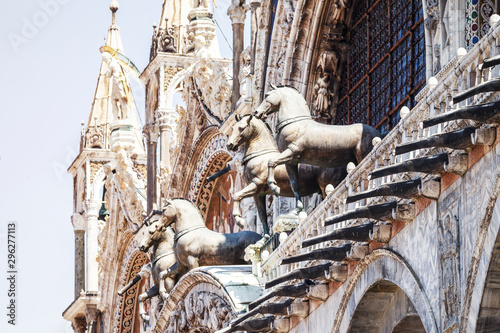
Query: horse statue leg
point(152, 292)
point(246, 192)
point(165, 275)
point(285, 157)
point(293, 174)
point(260, 201)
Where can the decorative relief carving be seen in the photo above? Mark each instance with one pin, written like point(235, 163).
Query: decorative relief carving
point(212, 82)
point(216, 146)
point(170, 72)
point(339, 9)
point(285, 23)
point(94, 168)
point(322, 97)
point(79, 325)
point(205, 191)
point(162, 41)
point(94, 137)
point(121, 175)
point(126, 307)
point(449, 263)
point(142, 169)
point(203, 312)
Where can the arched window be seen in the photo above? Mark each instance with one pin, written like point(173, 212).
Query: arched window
point(385, 66)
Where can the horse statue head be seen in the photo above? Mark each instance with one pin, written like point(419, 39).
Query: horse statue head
point(242, 132)
point(270, 104)
point(287, 100)
point(155, 232)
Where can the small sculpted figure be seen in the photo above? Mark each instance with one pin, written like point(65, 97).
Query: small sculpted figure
point(120, 91)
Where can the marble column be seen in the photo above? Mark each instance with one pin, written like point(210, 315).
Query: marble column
point(93, 207)
point(254, 5)
point(237, 12)
point(151, 133)
point(79, 226)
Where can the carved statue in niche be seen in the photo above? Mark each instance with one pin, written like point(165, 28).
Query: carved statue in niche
point(119, 89)
point(339, 10)
point(245, 69)
point(322, 92)
point(322, 96)
point(437, 22)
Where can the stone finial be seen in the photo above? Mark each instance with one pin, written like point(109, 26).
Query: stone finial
point(433, 82)
point(114, 6)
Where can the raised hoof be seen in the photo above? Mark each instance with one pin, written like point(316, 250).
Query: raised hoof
point(240, 222)
point(275, 189)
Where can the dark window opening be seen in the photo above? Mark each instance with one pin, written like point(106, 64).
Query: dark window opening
point(385, 69)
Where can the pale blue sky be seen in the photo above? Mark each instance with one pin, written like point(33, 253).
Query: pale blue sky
point(47, 84)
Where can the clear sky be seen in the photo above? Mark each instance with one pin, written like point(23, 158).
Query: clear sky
point(49, 51)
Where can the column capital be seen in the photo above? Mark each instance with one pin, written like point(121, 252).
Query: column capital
point(151, 132)
point(79, 324)
point(93, 207)
point(79, 222)
point(254, 4)
point(237, 12)
point(92, 315)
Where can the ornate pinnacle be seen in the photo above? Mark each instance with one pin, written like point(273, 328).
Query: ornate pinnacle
point(114, 6)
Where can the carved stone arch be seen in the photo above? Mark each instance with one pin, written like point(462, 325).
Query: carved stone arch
point(211, 156)
point(383, 267)
point(279, 41)
point(488, 318)
point(97, 177)
point(385, 308)
point(190, 147)
point(482, 271)
point(305, 42)
point(126, 317)
point(173, 81)
point(207, 298)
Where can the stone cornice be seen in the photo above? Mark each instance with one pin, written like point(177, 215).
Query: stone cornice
point(77, 308)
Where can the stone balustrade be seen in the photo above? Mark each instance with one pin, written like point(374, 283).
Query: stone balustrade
point(462, 72)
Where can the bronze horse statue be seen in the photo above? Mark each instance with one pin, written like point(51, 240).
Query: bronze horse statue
point(303, 140)
point(194, 244)
point(259, 146)
point(163, 257)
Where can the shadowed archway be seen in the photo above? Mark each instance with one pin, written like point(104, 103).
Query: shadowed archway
point(385, 308)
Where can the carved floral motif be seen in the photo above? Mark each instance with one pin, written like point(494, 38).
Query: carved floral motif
point(121, 175)
point(94, 168)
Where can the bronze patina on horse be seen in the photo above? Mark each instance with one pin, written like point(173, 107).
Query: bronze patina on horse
point(259, 146)
point(303, 140)
point(194, 244)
